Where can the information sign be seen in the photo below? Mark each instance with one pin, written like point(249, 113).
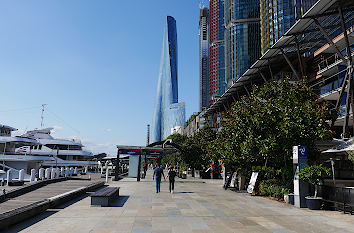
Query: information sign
point(252, 183)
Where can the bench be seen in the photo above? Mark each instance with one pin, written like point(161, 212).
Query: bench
point(104, 197)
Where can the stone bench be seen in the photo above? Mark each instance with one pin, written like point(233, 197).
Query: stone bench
point(104, 197)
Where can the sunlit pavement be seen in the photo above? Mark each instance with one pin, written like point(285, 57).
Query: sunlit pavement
point(194, 207)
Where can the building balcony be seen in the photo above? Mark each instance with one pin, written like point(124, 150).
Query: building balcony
point(333, 61)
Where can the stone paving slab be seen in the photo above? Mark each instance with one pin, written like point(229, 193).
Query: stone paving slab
point(194, 207)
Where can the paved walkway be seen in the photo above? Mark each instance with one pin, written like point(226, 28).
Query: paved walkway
point(194, 207)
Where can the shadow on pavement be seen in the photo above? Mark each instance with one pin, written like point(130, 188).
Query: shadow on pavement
point(120, 202)
point(31, 221)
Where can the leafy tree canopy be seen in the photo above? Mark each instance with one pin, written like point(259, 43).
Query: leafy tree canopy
point(262, 128)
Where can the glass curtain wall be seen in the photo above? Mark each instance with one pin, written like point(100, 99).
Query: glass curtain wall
point(216, 50)
point(242, 37)
point(167, 113)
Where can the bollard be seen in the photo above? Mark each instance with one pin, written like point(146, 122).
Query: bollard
point(62, 171)
point(57, 172)
point(52, 173)
point(41, 174)
point(107, 175)
point(9, 177)
point(33, 175)
point(21, 175)
point(71, 171)
point(75, 171)
point(47, 173)
point(66, 172)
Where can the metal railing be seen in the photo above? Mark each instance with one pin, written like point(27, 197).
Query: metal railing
point(342, 198)
point(332, 60)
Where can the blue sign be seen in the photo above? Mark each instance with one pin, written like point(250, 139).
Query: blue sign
point(129, 152)
point(154, 152)
point(303, 153)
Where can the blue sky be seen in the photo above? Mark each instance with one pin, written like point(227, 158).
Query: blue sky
point(95, 63)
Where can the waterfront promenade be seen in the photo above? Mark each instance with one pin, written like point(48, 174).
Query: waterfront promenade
point(194, 207)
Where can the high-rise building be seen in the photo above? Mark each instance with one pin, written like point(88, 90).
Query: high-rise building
point(277, 17)
point(203, 58)
point(242, 37)
point(216, 50)
point(168, 113)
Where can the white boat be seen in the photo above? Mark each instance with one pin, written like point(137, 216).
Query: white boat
point(63, 152)
point(11, 159)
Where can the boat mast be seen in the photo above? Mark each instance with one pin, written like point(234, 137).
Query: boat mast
point(43, 105)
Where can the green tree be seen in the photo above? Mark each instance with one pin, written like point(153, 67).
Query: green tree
point(195, 152)
point(314, 174)
point(175, 158)
point(261, 129)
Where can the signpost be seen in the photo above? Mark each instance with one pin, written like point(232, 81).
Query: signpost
point(252, 183)
point(301, 189)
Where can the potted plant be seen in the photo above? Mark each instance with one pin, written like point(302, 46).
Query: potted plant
point(314, 174)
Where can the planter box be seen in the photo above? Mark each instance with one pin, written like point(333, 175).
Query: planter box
point(313, 203)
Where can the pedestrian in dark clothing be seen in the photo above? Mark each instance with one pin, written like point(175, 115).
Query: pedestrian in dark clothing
point(157, 173)
point(171, 178)
point(144, 168)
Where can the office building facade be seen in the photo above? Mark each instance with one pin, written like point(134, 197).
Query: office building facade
point(203, 58)
point(167, 113)
point(242, 37)
point(216, 50)
point(277, 17)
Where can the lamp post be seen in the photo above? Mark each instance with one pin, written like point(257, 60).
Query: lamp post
point(139, 165)
point(332, 164)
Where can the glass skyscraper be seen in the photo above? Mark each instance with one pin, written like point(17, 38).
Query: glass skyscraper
point(203, 58)
point(242, 37)
point(167, 113)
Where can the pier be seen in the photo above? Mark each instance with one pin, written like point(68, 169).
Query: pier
point(27, 203)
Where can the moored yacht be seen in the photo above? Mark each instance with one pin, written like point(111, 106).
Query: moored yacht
point(10, 158)
point(63, 152)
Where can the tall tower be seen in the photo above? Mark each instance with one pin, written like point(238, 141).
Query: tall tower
point(167, 113)
point(203, 58)
point(216, 50)
point(242, 37)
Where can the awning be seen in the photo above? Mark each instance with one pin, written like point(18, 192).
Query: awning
point(342, 147)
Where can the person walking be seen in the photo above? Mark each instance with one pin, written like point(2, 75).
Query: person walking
point(171, 177)
point(157, 173)
point(144, 168)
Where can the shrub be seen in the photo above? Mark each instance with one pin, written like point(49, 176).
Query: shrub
point(314, 174)
point(274, 188)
